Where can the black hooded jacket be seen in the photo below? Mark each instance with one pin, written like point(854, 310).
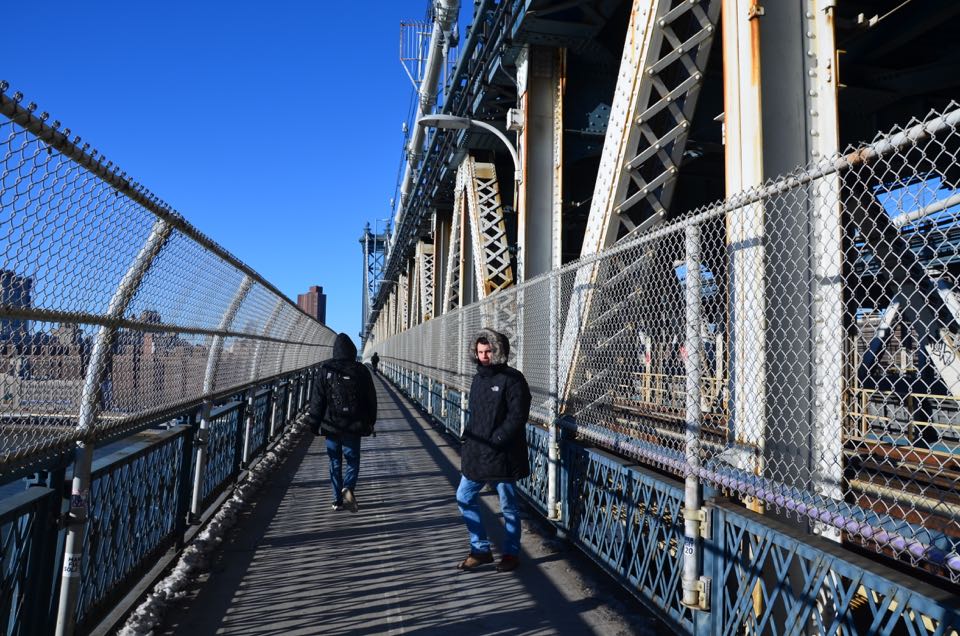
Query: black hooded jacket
point(495, 438)
point(344, 361)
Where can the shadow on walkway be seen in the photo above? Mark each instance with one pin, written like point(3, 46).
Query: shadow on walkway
point(294, 566)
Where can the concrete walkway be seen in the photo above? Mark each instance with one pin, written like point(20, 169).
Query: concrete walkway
point(294, 566)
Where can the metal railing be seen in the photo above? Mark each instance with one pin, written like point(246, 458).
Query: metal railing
point(117, 315)
point(762, 576)
point(139, 509)
point(794, 346)
point(112, 306)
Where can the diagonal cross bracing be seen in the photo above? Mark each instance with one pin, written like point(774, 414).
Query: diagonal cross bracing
point(491, 251)
point(661, 71)
point(426, 264)
point(453, 286)
point(402, 296)
point(656, 95)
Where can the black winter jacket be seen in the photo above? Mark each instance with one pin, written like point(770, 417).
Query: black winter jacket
point(344, 360)
point(495, 439)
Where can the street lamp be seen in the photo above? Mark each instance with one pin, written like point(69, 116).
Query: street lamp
point(452, 122)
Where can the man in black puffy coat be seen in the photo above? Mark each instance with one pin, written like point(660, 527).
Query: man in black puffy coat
point(494, 448)
point(343, 406)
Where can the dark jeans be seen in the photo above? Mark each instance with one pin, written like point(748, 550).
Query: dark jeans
point(343, 446)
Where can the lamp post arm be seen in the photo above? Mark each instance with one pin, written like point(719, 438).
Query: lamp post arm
point(506, 142)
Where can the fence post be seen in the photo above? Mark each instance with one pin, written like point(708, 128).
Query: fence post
point(272, 410)
point(41, 599)
point(91, 403)
point(553, 446)
point(238, 463)
point(209, 379)
point(289, 409)
point(183, 484)
point(248, 415)
point(694, 592)
point(299, 394)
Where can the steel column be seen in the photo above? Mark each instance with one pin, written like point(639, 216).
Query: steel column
point(540, 86)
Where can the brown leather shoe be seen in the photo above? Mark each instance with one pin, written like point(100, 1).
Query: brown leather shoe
point(475, 560)
point(508, 563)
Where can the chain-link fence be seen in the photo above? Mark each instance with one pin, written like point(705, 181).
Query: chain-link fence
point(795, 345)
point(112, 307)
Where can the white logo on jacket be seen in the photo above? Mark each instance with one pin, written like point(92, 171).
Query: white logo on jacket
point(494, 388)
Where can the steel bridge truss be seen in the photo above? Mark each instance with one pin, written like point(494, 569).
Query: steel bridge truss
point(426, 268)
point(653, 106)
point(477, 197)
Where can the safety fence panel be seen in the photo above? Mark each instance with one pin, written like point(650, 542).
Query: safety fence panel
point(27, 530)
point(765, 576)
point(771, 579)
point(261, 415)
point(451, 414)
point(113, 308)
point(139, 505)
point(223, 453)
point(630, 522)
point(135, 500)
point(796, 346)
point(535, 486)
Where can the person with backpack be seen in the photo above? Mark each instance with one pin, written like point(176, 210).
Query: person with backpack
point(343, 407)
point(375, 362)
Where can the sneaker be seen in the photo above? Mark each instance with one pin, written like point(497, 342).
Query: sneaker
point(349, 501)
point(336, 506)
point(475, 560)
point(508, 563)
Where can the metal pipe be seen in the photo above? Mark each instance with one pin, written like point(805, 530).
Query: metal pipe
point(273, 410)
point(937, 206)
point(474, 38)
point(248, 427)
point(693, 494)
point(209, 378)
point(446, 13)
point(553, 444)
point(90, 406)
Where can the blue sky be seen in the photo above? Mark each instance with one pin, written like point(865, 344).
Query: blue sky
point(275, 129)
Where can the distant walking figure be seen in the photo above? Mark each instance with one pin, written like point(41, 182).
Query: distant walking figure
point(343, 407)
point(374, 361)
point(494, 448)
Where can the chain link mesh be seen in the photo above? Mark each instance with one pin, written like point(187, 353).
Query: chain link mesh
point(88, 256)
point(826, 316)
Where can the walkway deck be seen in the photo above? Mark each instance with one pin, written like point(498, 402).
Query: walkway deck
point(296, 567)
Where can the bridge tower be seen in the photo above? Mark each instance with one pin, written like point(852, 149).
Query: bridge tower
point(374, 260)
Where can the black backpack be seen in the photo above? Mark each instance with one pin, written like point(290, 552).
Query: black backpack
point(343, 394)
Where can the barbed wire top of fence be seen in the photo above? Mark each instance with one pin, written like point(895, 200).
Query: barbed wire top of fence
point(112, 306)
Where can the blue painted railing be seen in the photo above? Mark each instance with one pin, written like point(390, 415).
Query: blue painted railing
point(766, 576)
point(139, 508)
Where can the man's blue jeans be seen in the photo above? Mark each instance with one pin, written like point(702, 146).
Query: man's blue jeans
point(343, 446)
point(468, 499)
